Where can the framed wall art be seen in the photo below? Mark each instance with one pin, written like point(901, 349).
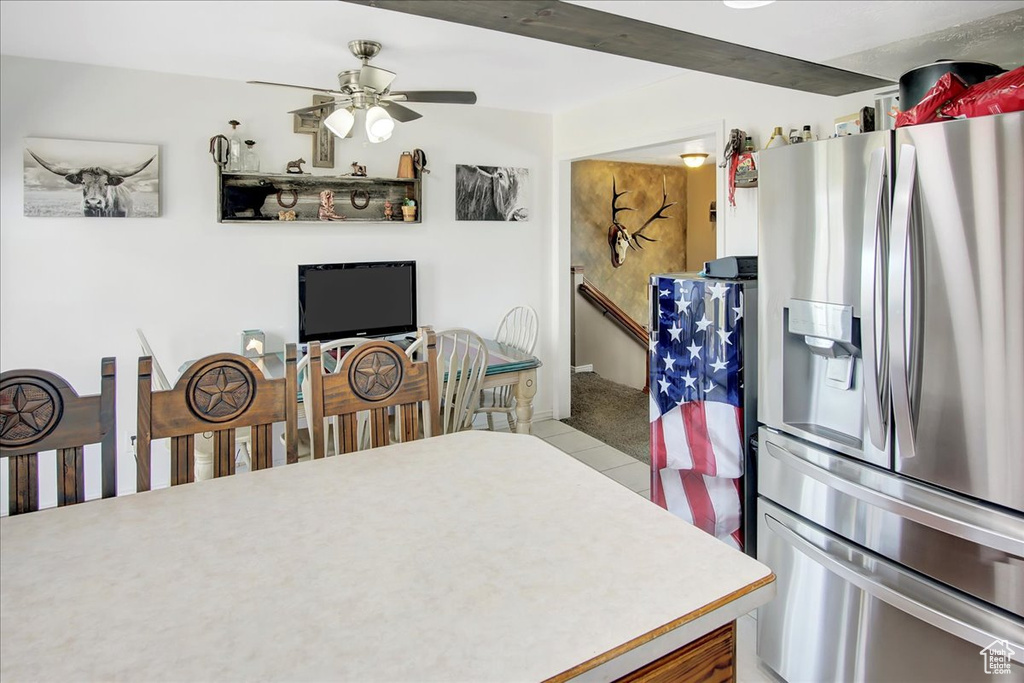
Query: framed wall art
point(491, 193)
point(93, 179)
point(312, 123)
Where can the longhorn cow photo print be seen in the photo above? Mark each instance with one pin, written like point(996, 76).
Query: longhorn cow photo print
point(491, 193)
point(69, 178)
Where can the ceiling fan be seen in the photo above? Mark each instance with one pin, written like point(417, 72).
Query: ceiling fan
point(369, 88)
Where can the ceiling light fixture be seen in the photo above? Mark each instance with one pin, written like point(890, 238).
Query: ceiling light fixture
point(694, 159)
point(746, 4)
point(379, 124)
point(340, 121)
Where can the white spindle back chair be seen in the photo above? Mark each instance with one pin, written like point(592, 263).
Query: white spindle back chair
point(462, 362)
point(518, 329)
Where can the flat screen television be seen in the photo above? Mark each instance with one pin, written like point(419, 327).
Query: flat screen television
point(356, 299)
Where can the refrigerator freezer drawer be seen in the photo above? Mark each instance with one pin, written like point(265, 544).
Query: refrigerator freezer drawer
point(974, 548)
point(844, 614)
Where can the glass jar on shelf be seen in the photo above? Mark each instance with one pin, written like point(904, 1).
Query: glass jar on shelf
point(250, 159)
point(234, 148)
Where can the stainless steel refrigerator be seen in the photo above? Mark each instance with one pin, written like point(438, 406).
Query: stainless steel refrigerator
point(891, 407)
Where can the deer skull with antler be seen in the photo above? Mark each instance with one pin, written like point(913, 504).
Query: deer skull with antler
point(620, 240)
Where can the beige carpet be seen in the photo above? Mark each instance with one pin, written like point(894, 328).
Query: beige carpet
point(612, 413)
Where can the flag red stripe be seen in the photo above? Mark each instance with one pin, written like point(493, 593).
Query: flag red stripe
point(696, 425)
point(658, 457)
point(699, 500)
point(739, 428)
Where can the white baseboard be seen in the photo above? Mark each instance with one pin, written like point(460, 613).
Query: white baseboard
point(589, 367)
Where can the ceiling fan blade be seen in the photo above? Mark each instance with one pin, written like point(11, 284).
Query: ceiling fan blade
point(375, 78)
point(316, 107)
point(436, 96)
point(400, 113)
point(300, 87)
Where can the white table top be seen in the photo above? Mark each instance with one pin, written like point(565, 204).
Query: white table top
point(470, 557)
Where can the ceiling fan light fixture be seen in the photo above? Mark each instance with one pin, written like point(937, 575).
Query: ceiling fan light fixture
point(379, 124)
point(746, 4)
point(340, 121)
point(694, 159)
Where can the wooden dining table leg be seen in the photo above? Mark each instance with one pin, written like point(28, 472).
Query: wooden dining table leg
point(526, 389)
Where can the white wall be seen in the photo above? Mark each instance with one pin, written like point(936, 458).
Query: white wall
point(688, 106)
point(73, 290)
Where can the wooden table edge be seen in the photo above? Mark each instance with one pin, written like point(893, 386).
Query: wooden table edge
point(660, 631)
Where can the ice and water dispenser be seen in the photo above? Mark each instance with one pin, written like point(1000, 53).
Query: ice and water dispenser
point(822, 369)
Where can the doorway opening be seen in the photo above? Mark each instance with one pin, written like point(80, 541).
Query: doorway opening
point(632, 213)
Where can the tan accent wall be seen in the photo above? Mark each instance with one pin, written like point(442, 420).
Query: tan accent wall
point(592, 216)
point(700, 231)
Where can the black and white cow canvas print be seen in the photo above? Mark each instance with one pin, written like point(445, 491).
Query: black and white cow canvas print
point(69, 178)
point(491, 193)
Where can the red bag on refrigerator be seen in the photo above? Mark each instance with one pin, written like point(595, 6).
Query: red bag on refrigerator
point(949, 87)
point(998, 95)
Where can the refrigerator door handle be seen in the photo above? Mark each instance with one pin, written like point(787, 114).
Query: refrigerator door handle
point(927, 602)
point(899, 271)
point(929, 516)
point(876, 357)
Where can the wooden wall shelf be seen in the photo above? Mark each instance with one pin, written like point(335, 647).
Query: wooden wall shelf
point(257, 197)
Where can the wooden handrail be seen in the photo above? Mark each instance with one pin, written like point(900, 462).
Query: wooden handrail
point(595, 296)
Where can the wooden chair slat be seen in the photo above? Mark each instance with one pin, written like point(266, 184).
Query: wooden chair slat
point(348, 426)
point(260, 445)
point(70, 476)
point(23, 484)
point(410, 421)
point(380, 432)
point(223, 452)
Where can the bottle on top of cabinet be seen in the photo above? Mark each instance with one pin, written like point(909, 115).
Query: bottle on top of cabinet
point(250, 159)
point(807, 135)
point(234, 148)
point(777, 139)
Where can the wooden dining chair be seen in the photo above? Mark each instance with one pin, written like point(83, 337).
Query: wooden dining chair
point(337, 348)
point(219, 394)
point(375, 377)
point(40, 411)
point(204, 441)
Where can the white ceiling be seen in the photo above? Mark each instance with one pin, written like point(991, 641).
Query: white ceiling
point(305, 42)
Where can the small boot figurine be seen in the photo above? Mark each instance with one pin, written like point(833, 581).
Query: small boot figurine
point(326, 212)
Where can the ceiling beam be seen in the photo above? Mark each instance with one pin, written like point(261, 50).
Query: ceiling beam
point(579, 26)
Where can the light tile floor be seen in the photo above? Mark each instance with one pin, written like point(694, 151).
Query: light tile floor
point(636, 476)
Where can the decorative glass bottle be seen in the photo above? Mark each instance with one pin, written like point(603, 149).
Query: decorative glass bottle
point(234, 148)
point(250, 159)
point(808, 136)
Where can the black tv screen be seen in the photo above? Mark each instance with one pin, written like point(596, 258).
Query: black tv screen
point(356, 299)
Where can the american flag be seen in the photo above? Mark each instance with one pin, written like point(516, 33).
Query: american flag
point(696, 390)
